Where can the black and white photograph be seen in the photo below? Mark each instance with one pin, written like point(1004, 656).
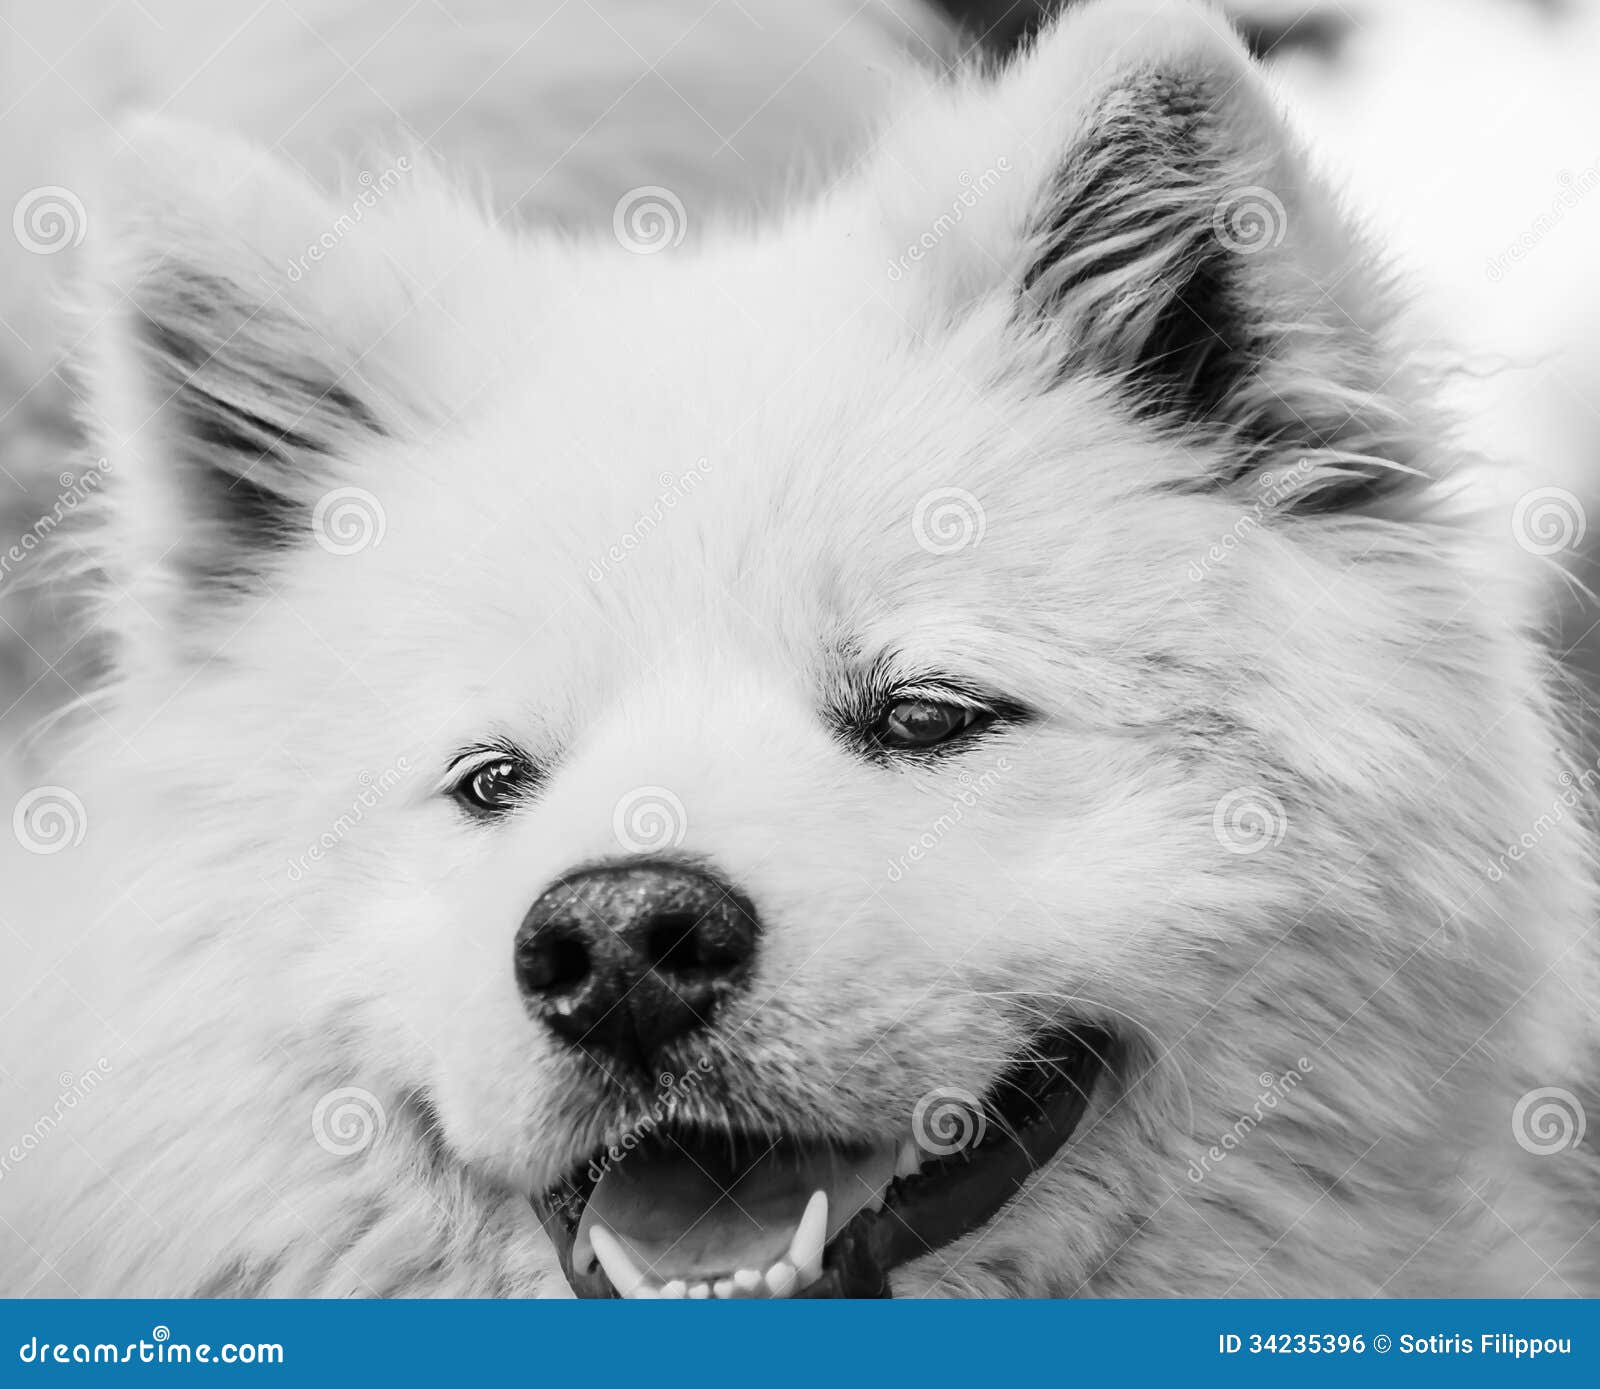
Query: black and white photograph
point(801, 649)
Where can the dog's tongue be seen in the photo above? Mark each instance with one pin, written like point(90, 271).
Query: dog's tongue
point(705, 1213)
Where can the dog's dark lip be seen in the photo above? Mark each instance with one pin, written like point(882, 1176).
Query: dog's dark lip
point(1031, 1111)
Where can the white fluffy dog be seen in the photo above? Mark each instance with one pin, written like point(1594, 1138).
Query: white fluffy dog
point(964, 741)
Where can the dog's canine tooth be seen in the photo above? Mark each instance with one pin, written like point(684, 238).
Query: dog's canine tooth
point(619, 1267)
point(747, 1280)
point(908, 1161)
point(782, 1278)
point(810, 1236)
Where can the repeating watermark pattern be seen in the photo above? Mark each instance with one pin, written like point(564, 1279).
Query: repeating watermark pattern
point(649, 820)
point(649, 219)
point(675, 488)
point(972, 190)
point(1574, 189)
point(373, 790)
point(1548, 1120)
point(947, 520)
point(372, 188)
point(348, 1121)
point(76, 489)
point(1274, 1088)
point(1548, 520)
point(1249, 819)
point(1272, 488)
point(348, 520)
point(1249, 220)
point(49, 819)
point(945, 1122)
point(1577, 787)
point(973, 790)
point(671, 1091)
point(75, 1089)
point(49, 219)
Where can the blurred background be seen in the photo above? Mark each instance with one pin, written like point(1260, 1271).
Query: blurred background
point(1466, 133)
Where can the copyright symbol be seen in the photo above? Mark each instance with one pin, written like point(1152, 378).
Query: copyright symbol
point(1381, 1343)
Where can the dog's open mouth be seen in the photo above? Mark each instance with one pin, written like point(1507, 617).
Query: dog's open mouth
point(698, 1213)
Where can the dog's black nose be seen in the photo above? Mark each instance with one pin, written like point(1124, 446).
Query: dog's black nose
point(624, 958)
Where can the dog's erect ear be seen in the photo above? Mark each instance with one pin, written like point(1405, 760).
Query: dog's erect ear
point(1133, 191)
point(245, 340)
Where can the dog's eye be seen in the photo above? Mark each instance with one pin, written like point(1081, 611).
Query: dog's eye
point(492, 788)
point(922, 723)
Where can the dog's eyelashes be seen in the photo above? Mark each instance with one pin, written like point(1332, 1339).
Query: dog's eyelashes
point(493, 787)
point(924, 723)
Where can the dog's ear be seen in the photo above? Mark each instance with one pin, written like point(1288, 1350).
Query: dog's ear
point(246, 342)
point(1132, 193)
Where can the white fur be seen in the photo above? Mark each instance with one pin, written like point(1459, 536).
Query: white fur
point(1375, 670)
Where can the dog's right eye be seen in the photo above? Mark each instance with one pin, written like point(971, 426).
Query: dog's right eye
point(495, 786)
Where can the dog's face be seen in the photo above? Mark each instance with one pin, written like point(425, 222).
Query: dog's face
point(799, 715)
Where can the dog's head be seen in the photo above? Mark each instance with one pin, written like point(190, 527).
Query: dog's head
point(891, 707)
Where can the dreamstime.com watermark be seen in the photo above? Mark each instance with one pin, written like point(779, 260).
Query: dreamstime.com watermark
point(49, 819)
point(1574, 189)
point(1548, 1121)
point(160, 1349)
point(674, 489)
point(1577, 787)
point(649, 820)
point(671, 1091)
point(372, 188)
point(76, 489)
point(373, 790)
point(49, 219)
point(972, 190)
point(1273, 1089)
point(75, 1089)
point(1271, 490)
point(973, 790)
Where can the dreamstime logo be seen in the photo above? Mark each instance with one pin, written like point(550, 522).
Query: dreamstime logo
point(1248, 220)
point(373, 790)
point(649, 819)
point(972, 189)
point(1274, 1087)
point(671, 1091)
point(948, 1121)
point(371, 190)
point(1248, 820)
point(674, 489)
point(1548, 520)
point(972, 791)
point(75, 1089)
point(348, 1121)
point(1548, 1120)
point(649, 219)
point(49, 219)
point(948, 519)
point(76, 489)
point(49, 819)
point(348, 520)
point(1574, 189)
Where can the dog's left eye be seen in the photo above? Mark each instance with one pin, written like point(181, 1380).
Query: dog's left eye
point(923, 723)
point(491, 788)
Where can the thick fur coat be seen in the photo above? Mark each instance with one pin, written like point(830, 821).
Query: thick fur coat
point(1077, 389)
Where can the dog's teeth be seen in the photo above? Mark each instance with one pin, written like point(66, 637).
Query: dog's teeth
point(908, 1161)
point(676, 1288)
point(747, 1280)
point(698, 1290)
point(781, 1278)
point(805, 1249)
point(619, 1268)
point(724, 1288)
